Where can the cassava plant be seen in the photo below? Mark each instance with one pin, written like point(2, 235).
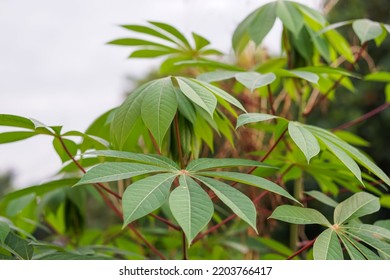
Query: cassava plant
point(212, 158)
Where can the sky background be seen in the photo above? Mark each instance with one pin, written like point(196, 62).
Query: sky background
point(55, 66)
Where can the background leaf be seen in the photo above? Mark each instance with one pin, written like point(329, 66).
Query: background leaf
point(366, 29)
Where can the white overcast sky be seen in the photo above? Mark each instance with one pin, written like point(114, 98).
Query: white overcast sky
point(55, 66)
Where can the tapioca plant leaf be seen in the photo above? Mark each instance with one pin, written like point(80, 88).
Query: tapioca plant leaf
point(239, 203)
point(299, 215)
point(191, 207)
point(114, 171)
point(145, 196)
point(327, 246)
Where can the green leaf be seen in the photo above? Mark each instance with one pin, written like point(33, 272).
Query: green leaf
point(252, 118)
point(368, 254)
point(312, 13)
point(13, 136)
point(185, 107)
point(352, 151)
point(323, 69)
point(159, 108)
point(380, 39)
point(114, 171)
point(127, 115)
point(200, 41)
point(216, 76)
point(351, 138)
point(71, 146)
point(197, 94)
point(222, 94)
point(308, 76)
point(147, 30)
point(40, 189)
point(191, 207)
point(344, 158)
point(322, 198)
point(340, 44)
point(150, 159)
point(147, 53)
point(18, 246)
point(366, 29)
point(254, 27)
point(16, 121)
point(145, 196)
point(327, 246)
point(358, 205)
point(382, 247)
point(89, 140)
point(374, 231)
point(289, 15)
point(140, 42)
point(352, 250)
point(208, 163)
point(4, 230)
point(378, 77)
point(172, 30)
point(262, 23)
point(254, 80)
point(239, 203)
point(305, 141)
point(299, 215)
point(251, 180)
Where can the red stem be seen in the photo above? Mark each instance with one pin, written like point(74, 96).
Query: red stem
point(304, 248)
point(363, 118)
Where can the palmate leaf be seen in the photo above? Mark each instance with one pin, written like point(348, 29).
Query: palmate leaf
point(327, 246)
point(248, 179)
point(358, 205)
point(114, 171)
point(305, 141)
point(191, 207)
point(239, 203)
point(145, 196)
point(299, 215)
point(159, 107)
point(208, 163)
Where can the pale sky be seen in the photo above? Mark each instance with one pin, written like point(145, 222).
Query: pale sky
point(55, 66)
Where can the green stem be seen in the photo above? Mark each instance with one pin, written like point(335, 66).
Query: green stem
point(294, 229)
